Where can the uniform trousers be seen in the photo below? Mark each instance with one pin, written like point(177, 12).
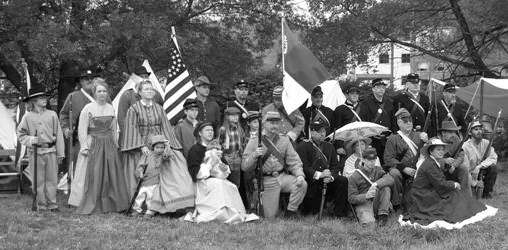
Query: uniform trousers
point(285, 183)
point(47, 179)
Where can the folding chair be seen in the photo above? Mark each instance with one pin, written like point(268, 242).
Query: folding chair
point(11, 178)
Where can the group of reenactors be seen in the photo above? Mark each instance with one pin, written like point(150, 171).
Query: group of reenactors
point(298, 156)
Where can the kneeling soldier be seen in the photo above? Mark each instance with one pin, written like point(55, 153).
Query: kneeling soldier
point(281, 166)
point(321, 168)
point(369, 190)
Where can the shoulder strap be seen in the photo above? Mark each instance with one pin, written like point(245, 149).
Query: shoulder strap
point(271, 150)
point(286, 116)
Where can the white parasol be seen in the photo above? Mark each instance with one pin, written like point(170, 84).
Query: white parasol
point(355, 130)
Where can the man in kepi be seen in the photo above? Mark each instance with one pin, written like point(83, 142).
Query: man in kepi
point(401, 155)
point(377, 108)
point(291, 124)
point(415, 102)
point(242, 102)
point(346, 113)
point(281, 166)
point(316, 109)
point(369, 190)
point(209, 110)
point(321, 167)
point(449, 103)
point(474, 149)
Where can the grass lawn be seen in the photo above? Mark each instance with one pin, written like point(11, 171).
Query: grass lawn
point(20, 228)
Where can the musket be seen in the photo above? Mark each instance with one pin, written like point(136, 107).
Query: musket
point(34, 181)
point(70, 158)
point(259, 174)
point(449, 114)
point(479, 187)
point(428, 117)
point(133, 199)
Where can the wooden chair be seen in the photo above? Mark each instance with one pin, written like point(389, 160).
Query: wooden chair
point(9, 173)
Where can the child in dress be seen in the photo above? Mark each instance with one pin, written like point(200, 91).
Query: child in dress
point(151, 176)
point(214, 163)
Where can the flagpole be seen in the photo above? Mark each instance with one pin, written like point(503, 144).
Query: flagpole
point(282, 42)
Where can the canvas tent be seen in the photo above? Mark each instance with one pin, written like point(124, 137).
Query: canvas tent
point(494, 93)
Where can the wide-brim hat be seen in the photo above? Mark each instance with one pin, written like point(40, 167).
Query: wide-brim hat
point(432, 143)
point(200, 126)
point(349, 144)
point(140, 70)
point(449, 125)
point(34, 92)
point(157, 139)
point(449, 87)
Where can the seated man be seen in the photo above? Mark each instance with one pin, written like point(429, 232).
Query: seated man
point(369, 190)
point(281, 166)
point(401, 154)
point(455, 167)
point(321, 167)
point(481, 167)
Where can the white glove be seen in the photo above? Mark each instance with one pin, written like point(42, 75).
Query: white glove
point(291, 135)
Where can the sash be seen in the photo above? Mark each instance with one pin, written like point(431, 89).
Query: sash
point(242, 108)
point(286, 116)
point(87, 95)
point(364, 176)
point(412, 146)
point(271, 150)
point(416, 103)
point(320, 154)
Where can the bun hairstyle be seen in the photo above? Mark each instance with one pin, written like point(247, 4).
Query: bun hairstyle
point(99, 81)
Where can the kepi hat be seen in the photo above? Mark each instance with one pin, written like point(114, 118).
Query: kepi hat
point(272, 116)
point(252, 115)
point(378, 81)
point(140, 70)
point(190, 103)
point(449, 125)
point(200, 126)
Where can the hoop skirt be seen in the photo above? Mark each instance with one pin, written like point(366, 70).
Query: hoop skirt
point(104, 188)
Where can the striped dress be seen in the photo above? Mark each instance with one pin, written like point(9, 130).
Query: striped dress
point(142, 122)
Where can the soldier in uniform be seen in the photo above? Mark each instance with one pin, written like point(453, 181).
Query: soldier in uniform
point(76, 101)
point(377, 108)
point(291, 124)
point(401, 154)
point(456, 109)
point(281, 166)
point(316, 109)
point(416, 103)
point(321, 167)
point(184, 130)
point(209, 109)
point(475, 148)
point(242, 102)
point(346, 113)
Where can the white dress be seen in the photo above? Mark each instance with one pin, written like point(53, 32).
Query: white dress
point(217, 199)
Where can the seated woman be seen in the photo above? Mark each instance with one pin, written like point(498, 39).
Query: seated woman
point(356, 147)
point(216, 197)
point(437, 202)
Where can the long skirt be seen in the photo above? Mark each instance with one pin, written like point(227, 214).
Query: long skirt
point(176, 189)
point(130, 162)
point(104, 189)
point(78, 183)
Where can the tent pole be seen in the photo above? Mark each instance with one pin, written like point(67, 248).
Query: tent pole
point(481, 99)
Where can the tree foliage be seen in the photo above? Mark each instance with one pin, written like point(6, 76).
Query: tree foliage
point(471, 37)
point(222, 39)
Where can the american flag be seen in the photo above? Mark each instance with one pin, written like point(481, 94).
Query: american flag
point(179, 85)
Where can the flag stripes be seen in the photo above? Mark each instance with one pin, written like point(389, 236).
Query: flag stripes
point(179, 86)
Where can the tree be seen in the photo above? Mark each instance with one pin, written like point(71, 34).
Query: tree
point(217, 38)
point(467, 35)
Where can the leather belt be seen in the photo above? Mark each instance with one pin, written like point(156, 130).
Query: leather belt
point(273, 174)
point(46, 145)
